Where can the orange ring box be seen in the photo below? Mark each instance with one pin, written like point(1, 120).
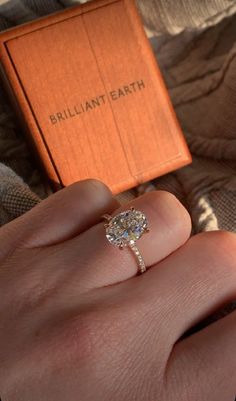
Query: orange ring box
point(86, 85)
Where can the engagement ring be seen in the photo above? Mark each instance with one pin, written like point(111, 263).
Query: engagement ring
point(124, 229)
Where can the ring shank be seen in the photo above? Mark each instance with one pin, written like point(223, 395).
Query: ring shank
point(141, 264)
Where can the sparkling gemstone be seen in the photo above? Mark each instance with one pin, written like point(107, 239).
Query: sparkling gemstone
point(125, 227)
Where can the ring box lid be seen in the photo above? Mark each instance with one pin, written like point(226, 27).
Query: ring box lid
point(87, 87)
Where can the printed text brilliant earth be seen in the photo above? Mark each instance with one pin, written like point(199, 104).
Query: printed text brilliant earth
point(98, 101)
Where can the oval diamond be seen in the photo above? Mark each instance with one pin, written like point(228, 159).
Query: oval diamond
point(125, 227)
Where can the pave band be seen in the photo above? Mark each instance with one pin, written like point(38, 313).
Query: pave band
point(124, 229)
point(139, 258)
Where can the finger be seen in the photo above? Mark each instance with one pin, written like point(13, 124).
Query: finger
point(195, 281)
point(204, 364)
point(63, 215)
point(169, 225)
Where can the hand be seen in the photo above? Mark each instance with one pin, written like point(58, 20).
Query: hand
point(77, 323)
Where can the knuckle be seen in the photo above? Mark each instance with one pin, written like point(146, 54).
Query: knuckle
point(86, 330)
point(163, 196)
point(219, 246)
point(214, 255)
point(175, 216)
point(88, 335)
point(185, 372)
point(226, 239)
point(171, 202)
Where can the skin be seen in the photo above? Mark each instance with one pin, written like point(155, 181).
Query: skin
point(77, 323)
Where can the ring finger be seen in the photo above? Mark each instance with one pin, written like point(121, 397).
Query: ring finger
point(169, 228)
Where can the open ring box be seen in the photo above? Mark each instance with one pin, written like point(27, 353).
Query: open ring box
point(86, 86)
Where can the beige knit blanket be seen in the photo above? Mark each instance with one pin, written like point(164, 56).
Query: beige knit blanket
point(195, 44)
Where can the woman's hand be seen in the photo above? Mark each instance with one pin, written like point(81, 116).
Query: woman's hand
point(76, 323)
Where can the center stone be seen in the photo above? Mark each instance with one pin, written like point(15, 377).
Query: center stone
point(125, 227)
